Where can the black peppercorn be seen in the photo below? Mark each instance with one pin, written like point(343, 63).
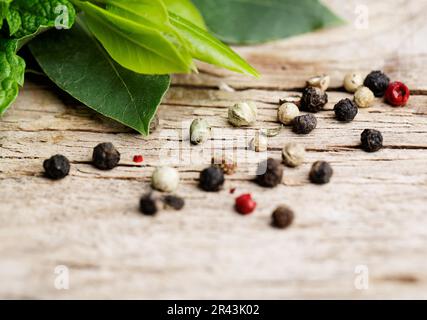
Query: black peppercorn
point(377, 82)
point(345, 110)
point(105, 156)
point(304, 124)
point(211, 179)
point(313, 99)
point(269, 173)
point(148, 205)
point(321, 172)
point(372, 140)
point(174, 202)
point(56, 167)
point(282, 217)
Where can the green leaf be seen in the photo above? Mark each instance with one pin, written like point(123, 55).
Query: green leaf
point(78, 64)
point(135, 46)
point(254, 21)
point(12, 69)
point(187, 10)
point(27, 17)
point(4, 8)
point(207, 48)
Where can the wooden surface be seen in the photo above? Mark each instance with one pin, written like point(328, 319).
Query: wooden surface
point(372, 214)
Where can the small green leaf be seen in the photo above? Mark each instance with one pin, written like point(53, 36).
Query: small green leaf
point(78, 64)
point(4, 9)
point(187, 10)
point(254, 21)
point(207, 48)
point(12, 70)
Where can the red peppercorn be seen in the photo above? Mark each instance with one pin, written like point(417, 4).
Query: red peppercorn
point(245, 204)
point(138, 159)
point(397, 94)
point(232, 190)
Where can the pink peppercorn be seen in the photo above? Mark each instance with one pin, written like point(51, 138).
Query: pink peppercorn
point(245, 204)
point(397, 94)
point(138, 159)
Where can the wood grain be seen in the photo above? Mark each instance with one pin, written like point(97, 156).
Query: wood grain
point(373, 213)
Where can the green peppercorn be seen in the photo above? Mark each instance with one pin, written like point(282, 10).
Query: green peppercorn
point(313, 99)
point(199, 131)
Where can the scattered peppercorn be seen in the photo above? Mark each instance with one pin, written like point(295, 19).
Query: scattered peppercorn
point(364, 97)
point(397, 94)
point(322, 82)
point(105, 156)
point(138, 158)
point(372, 140)
point(293, 154)
point(211, 179)
point(377, 82)
point(345, 110)
point(199, 131)
point(242, 114)
point(304, 124)
point(313, 99)
point(269, 173)
point(353, 81)
point(148, 205)
point(259, 143)
point(245, 204)
point(321, 172)
point(226, 164)
point(165, 179)
point(287, 113)
point(56, 167)
point(282, 217)
point(174, 202)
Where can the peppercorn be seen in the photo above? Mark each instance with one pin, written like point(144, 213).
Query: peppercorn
point(352, 81)
point(105, 156)
point(304, 124)
point(226, 164)
point(364, 97)
point(211, 179)
point(282, 217)
point(245, 204)
point(322, 82)
point(321, 172)
point(165, 179)
point(199, 131)
point(269, 173)
point(174, 202)
point(287, 113)
point(372, 140)
point(377, 82)
point(138, 158)
point(293, 154)
point(397, 94)
point(56, 167)
point(259, 143)
point(242, 114)
point(148, 205)
point(345, 110)
point(313, 99)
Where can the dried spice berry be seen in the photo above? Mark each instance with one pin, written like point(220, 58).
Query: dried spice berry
point(226, 164)
point(364, 97)
point(397, 94)
point(174, 202)
point(353, 81)
point(293, 154)
point(287, 113)
point(245, 204)
point(211, 179)
point(165, 179)
point(148, 205)
point(259, 143)
point(313, 99)
point(372, 140)
point(322, 82)
point(56, 167)
point(269, 173)
point(200, 131)
point(138, 158)
point(243, 114)
point(282, 217)
point(321, 172)
point(377, 82)
point(304, 124)
point(345, 110)
point(105, 156)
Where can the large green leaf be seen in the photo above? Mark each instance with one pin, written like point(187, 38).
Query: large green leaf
point(78, 64)
point(187, 10)
point(12, 69)
point(4, 9)
point(254, 21)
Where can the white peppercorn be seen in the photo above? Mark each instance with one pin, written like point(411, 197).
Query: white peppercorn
point(322, 82)
point(364, 97)
point(199, 131)
point(242, 114)
point(165, 179)
point(287, 113)
point(293, 154)
point(259, 143)
point(353, 81)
